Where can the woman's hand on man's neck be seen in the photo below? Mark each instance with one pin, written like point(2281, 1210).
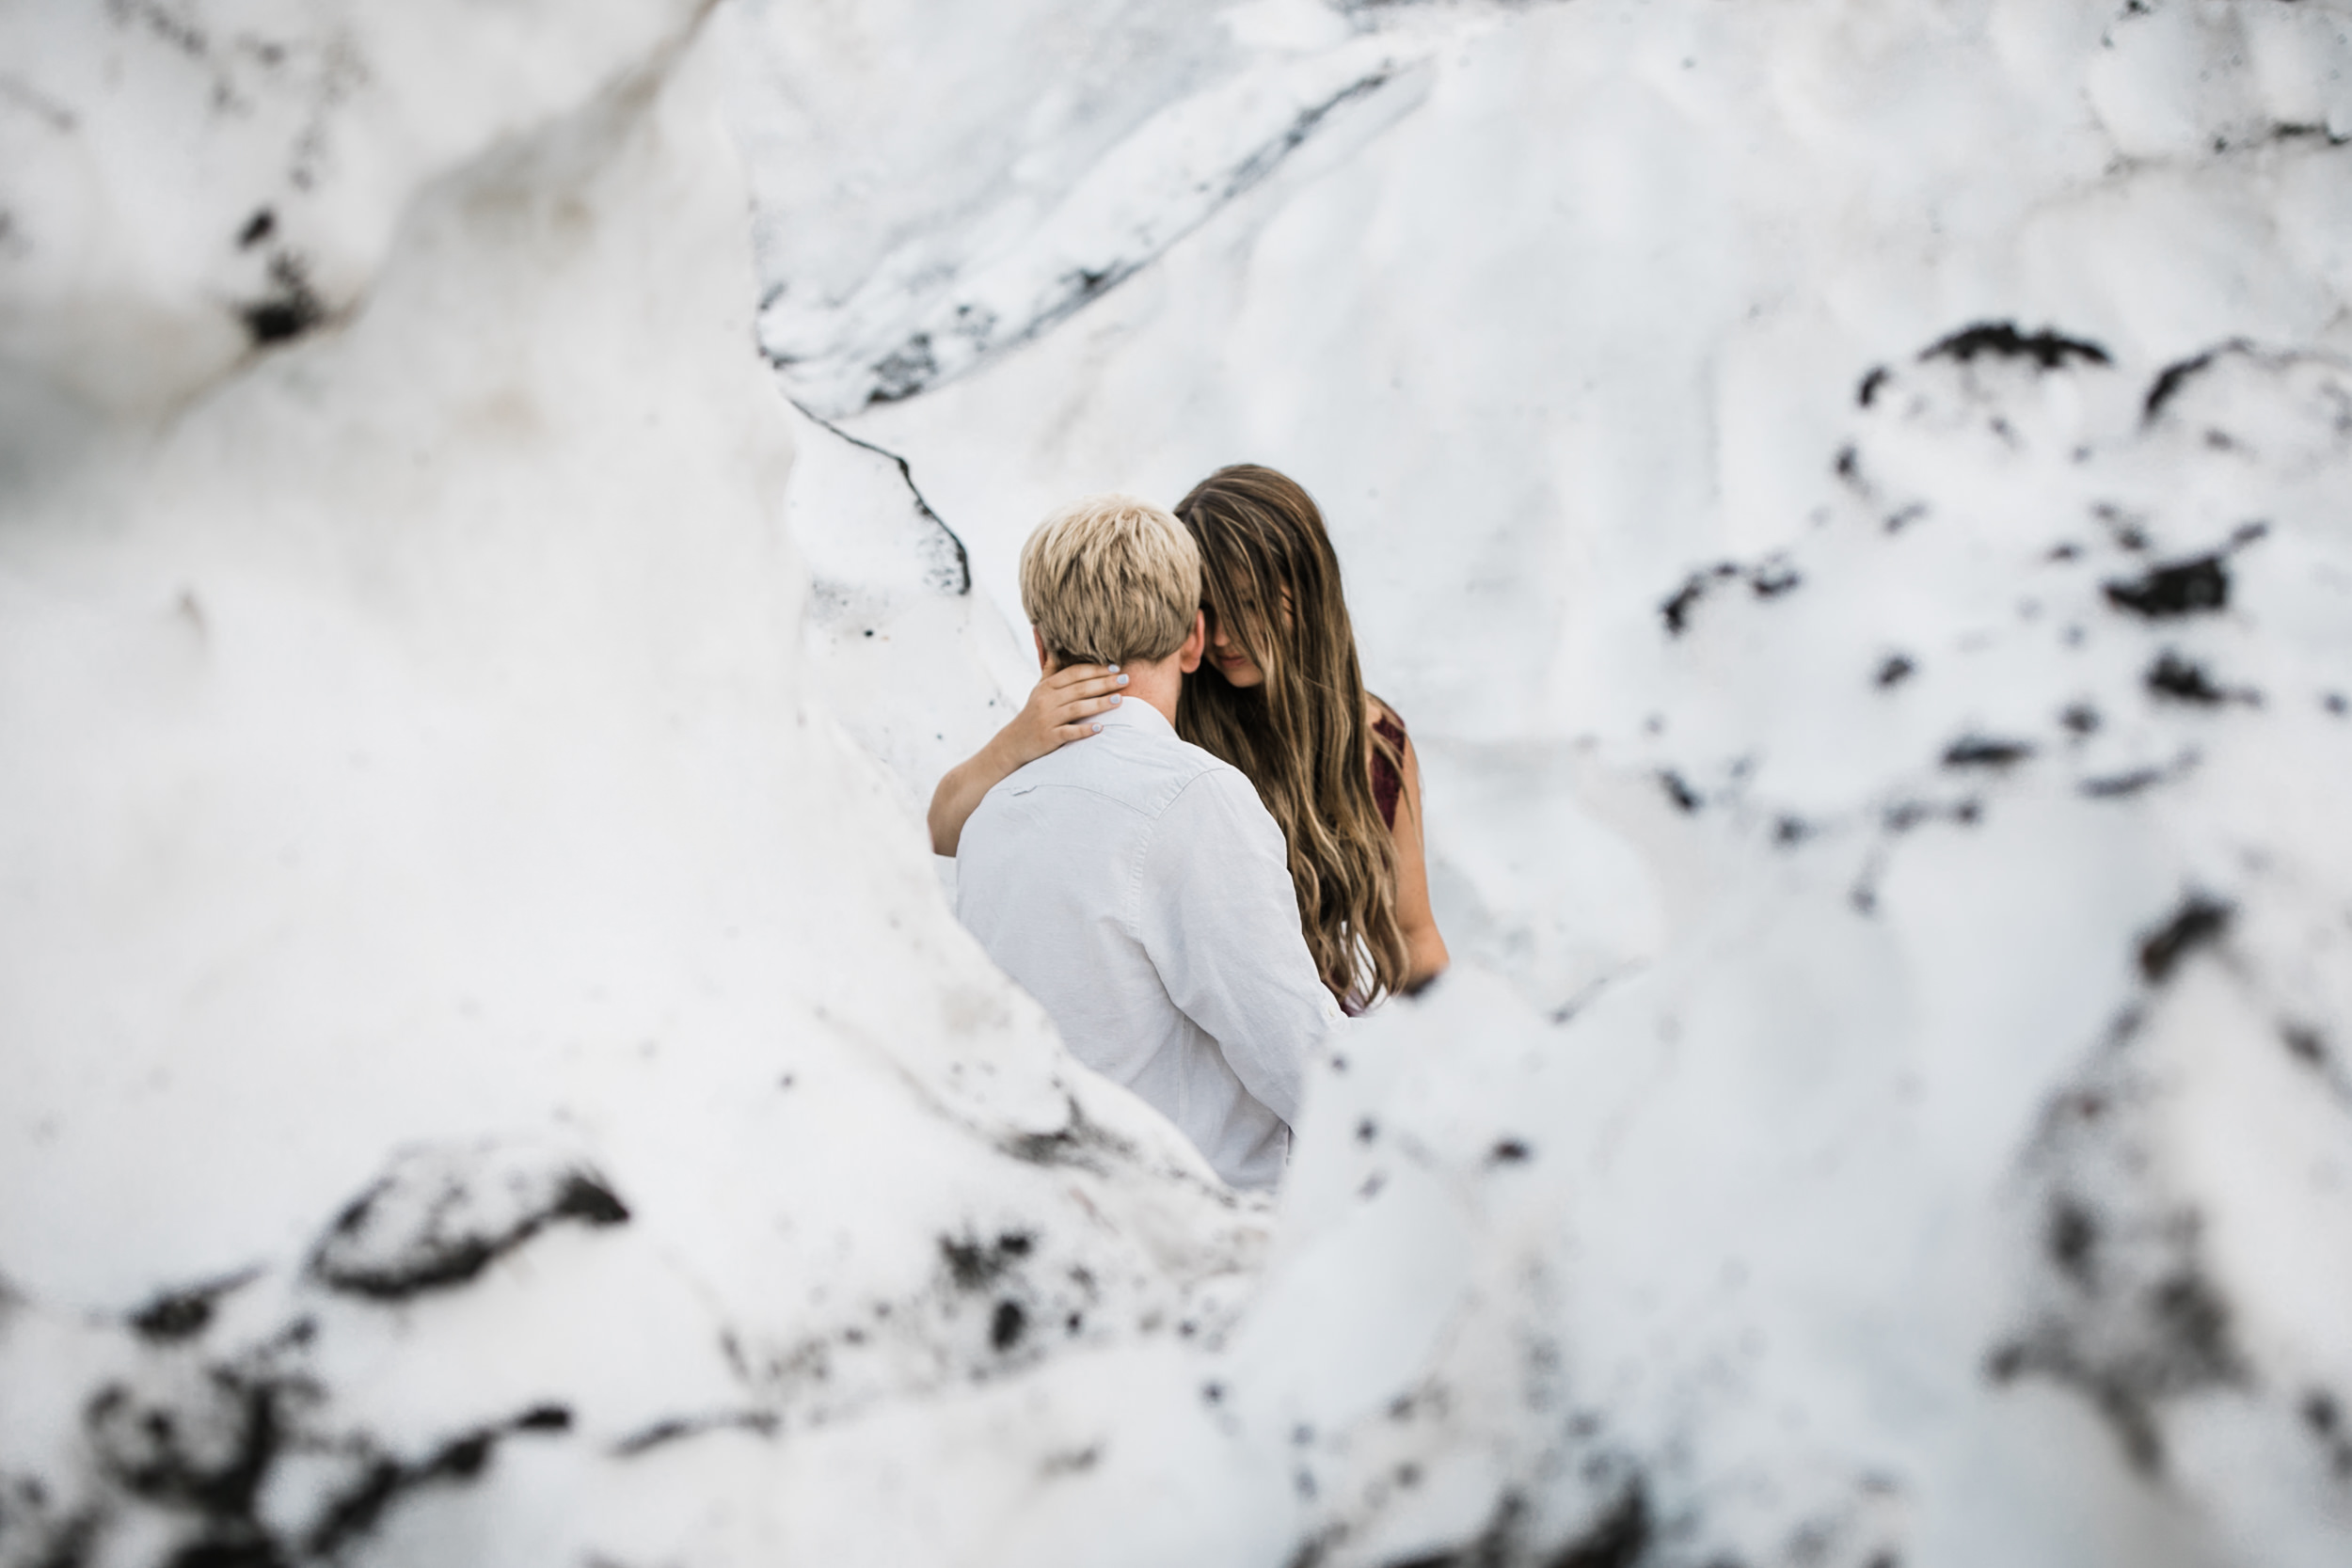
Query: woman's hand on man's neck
point(1157, 681)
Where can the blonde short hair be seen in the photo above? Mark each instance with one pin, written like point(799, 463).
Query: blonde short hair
point(1111, 579)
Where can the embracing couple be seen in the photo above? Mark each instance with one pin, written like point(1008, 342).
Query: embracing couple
point(1230, 862)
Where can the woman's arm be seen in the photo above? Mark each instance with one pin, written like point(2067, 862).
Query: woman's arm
point(1424, 949)
point(1057, 713)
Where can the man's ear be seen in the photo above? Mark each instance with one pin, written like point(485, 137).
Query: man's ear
point(1196, 642)
point(1044, 660)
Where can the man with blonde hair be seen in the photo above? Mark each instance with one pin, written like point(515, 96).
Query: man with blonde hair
point(1135, 884)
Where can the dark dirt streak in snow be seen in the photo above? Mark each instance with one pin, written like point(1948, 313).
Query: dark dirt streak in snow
point(1768, 578)
point(2048, 350)
point(2129, 1316)
point(1077, 1142)
point(2119, 787)
point(974, 1264)
point(357, 1512)
point(1082, 286)
point(912, 367)
point(290, 309)
point(2185, 1344)
point(1618, 1537)
point(1267, 159)
point(182, 1314)
point(2175, 678)
point(960, 583)
point(1977, 750)
point(1684, 798)
point(2183, 588)
point(18, 94)
point(429, 1260)
point(679, 1428)
point(2199, 922)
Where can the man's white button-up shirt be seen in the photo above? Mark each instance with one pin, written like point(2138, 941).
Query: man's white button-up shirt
point(1137, 888)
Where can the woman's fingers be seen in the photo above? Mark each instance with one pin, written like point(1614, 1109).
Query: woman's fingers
point(1094, 690)
point(1084, 706)
point(1084, 680)
point(1076, 722)
point(1069, 673)
point(1063, 706)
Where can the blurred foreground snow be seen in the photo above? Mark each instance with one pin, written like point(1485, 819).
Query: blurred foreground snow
point(486, 1074)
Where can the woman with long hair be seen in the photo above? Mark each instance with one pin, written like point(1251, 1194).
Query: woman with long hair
point(1281, 697)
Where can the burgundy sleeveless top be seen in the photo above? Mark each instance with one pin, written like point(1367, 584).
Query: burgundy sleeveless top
point(1388, 784)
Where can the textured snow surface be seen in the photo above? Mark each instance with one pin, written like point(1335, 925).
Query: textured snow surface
point(1851, 499)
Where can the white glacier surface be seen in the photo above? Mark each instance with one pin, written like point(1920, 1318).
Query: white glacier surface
point(505, 511)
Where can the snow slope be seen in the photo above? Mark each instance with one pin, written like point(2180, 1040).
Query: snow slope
point(487, 1076)
point(1872, 639)
point(476, 1040)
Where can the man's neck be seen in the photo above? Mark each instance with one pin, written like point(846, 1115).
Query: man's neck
point(1157, 683)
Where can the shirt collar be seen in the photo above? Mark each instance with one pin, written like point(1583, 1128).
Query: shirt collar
point(1137, 714)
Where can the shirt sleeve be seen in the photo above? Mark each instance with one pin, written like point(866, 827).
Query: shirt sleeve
point(1219, 919)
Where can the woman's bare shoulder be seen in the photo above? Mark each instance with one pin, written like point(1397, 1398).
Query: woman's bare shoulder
point(1379, 714)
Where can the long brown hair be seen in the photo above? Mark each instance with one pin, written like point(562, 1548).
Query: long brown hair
point(1270, 580)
